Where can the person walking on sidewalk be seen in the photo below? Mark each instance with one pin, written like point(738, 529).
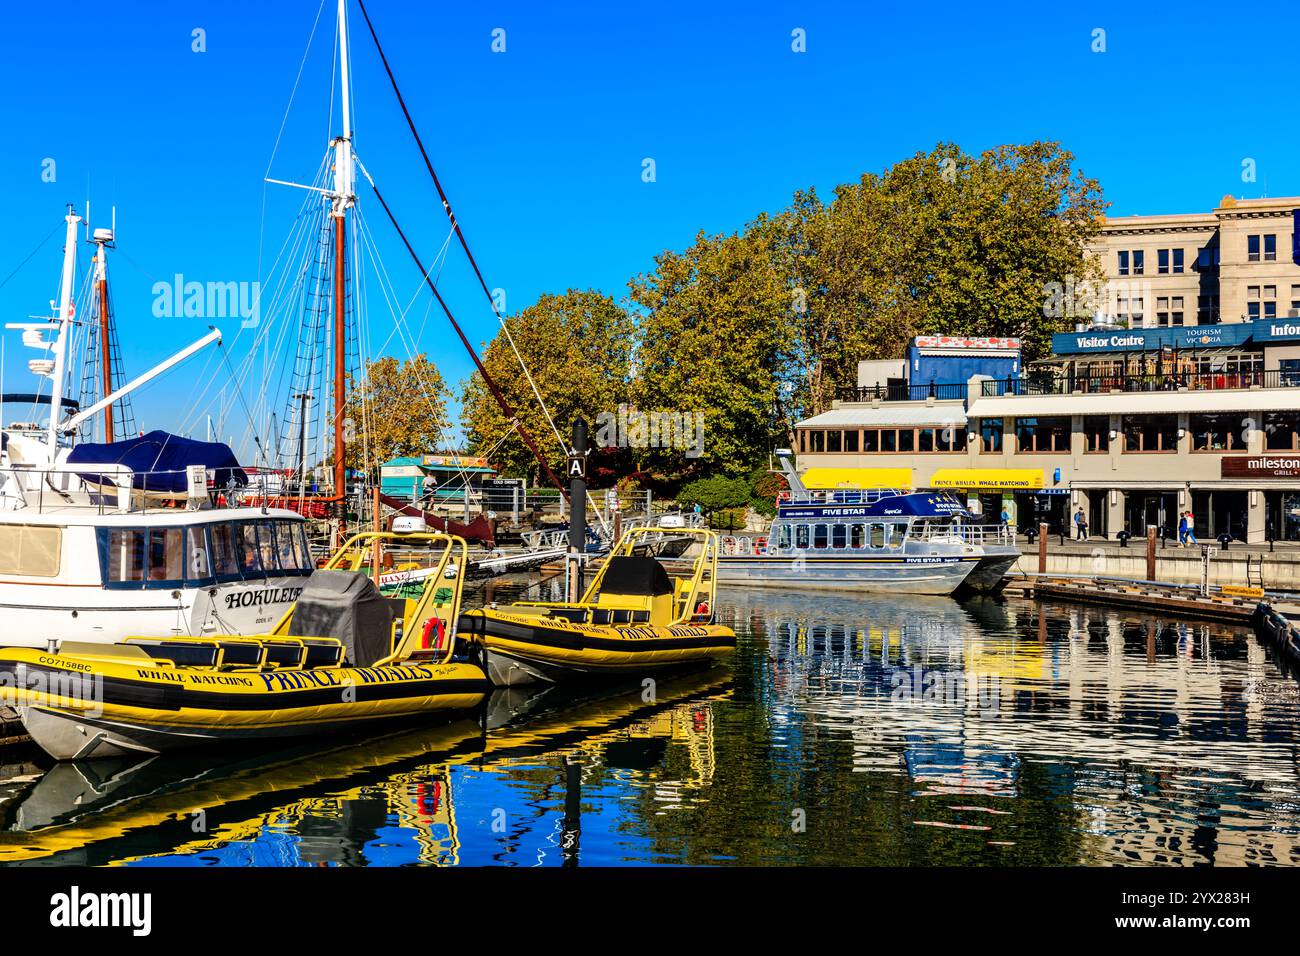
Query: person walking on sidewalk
point(1191, 530)
point(1080, 526)
point(1182, 530)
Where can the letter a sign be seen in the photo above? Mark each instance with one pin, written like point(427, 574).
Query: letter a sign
point(578, 466)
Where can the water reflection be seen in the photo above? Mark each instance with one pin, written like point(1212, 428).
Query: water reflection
point(870, 730)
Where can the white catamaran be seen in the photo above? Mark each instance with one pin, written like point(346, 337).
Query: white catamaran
point(102, 541)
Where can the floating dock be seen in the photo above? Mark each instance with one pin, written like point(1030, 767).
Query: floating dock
point(1236, 605)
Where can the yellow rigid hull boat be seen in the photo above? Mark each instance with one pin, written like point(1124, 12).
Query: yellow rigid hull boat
point(389, 659)
point(634, 618)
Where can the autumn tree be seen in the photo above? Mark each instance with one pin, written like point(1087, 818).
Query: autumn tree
point(398, 408)
point(577, 348)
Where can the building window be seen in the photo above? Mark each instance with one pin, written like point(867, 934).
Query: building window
point(1207, 309)
point(1096, 434)
point(991, 435)
point(1270, 310)
point(1178, 261)
point(1176, 310)
point(1162, 262)
point(1139, 257)
point(1270, 247)
point(1150, 433)
point(1252, 310)
point(1281, 430)
point(950, 438)
point(1162, 310)
point(1252, 248)
point(1123, 263)
point(1217, 432)
point(1035, 435)
point(1207, 258)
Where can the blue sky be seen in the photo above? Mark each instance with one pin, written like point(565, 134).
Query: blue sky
point(541, 148)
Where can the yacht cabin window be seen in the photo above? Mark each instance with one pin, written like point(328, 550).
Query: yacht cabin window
point(203, 554)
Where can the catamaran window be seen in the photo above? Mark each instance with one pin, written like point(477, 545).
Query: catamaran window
point(877, 535)
point(225, 553)
point(801, 536)
point(897, 534)
point(859, 536)
point(783, 536)
point(30, 550)
point(267, 547)
point(250, 556)
point(154, 557)
point(839, 535)
point(819, 536)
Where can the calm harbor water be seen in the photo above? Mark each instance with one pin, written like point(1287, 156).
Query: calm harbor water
point(846, 730)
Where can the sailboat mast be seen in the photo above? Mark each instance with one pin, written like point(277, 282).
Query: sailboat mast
point(64, 314)
point(102, 239)
point(343, 198)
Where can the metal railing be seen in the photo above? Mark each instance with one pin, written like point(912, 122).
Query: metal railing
point(903, 392)
point(1147, 382)
point(106, 488)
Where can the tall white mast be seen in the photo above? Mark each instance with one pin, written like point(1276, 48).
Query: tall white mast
point(344, 172)
point(64, 314)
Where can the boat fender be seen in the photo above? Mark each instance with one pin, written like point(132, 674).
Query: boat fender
point(435, 632)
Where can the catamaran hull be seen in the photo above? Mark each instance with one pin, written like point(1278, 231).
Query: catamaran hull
point(990, 575)
point(897, 576)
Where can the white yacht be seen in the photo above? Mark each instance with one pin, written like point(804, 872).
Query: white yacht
point(131, 537)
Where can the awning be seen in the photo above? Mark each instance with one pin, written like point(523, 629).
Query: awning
point(857, 478)
point(990, 478)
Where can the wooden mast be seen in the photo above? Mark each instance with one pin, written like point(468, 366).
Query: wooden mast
point(102, 238)
point(343, 197)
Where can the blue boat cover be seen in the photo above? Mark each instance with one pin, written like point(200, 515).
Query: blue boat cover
point(159, 460)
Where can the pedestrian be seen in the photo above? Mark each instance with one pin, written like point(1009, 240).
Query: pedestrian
point(1182, 530)
point(1006, 518)
point(1080, 526)
point(1191, 529)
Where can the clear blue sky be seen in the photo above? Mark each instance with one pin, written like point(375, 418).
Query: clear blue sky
point(541, 147)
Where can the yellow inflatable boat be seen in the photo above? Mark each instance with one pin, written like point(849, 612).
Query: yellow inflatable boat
point(344, 655)
point(634, 618)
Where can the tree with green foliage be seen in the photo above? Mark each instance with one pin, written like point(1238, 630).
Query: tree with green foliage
point(940, 243)
point(713, 341)
point(577, 347)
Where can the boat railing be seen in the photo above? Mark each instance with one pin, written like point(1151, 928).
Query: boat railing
point(980, 534)
point(741, 545)
point(106, 488)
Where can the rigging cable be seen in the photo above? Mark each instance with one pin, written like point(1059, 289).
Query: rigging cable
point(446, 205)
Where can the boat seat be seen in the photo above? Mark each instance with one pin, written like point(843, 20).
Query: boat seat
point(182, 653)
point(577, 615)
point(322, 652)
point(288, 654)
point(241, 653)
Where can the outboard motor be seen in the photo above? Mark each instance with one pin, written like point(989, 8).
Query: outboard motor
point(347, 606)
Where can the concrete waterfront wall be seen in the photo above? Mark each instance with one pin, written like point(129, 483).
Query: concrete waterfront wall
point(1173, 565)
